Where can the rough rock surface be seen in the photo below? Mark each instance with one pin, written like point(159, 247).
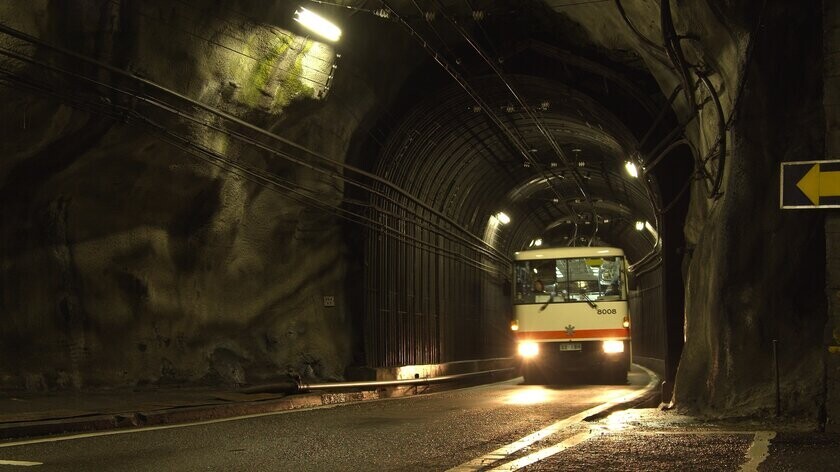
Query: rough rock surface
point(126, 261)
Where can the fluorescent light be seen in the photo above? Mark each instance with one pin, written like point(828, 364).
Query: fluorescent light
point(503, 218)
point(318, 24)
point(640, 225)
point(631, 169)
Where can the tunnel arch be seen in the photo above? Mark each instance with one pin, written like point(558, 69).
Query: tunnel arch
point(448, 301)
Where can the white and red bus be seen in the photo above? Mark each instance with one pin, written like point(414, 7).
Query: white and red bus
point(570, 312)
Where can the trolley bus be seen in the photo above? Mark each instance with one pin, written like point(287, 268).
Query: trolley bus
point(570, 312)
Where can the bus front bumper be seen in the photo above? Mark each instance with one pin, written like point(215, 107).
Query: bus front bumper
point(575, 355)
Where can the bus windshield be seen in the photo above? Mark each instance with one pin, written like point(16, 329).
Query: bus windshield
point(569, 280)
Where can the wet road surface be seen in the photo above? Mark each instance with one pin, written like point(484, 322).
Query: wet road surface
point(427, 432)
point(504, 426)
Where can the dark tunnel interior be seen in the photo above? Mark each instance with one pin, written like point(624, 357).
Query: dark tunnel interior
point(201, 192)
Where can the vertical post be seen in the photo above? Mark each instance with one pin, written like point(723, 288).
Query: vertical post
point(831, 108)
point(776, 376)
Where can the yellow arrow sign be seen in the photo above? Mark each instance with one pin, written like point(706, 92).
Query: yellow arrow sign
point(816, 184)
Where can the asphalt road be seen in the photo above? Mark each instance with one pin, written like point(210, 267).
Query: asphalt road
point(427, 432)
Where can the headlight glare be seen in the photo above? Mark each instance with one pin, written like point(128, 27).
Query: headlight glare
point(613, 346)
point(528, 349)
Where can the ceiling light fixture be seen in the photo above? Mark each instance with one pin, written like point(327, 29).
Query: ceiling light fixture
point(640, 225)
point(503, 218)
point(318, 24)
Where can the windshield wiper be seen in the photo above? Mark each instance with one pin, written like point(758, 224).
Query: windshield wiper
point(589, 300)
point(550, 299)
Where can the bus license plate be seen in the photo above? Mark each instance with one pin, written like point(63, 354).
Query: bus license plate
point(570, 347)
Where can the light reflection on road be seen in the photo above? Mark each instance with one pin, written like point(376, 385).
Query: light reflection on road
point(530, 396)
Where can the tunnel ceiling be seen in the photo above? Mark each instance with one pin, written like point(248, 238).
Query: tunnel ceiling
point(471, 149)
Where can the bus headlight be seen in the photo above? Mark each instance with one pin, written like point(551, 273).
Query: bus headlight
point(612, 347)
point(528, 349)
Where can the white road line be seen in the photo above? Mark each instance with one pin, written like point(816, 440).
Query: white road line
point(50, 439)
point(72, 437)
point(20, 463)
point(758, 451)
point(506, 451)
point(711, 432)
point(543, 453)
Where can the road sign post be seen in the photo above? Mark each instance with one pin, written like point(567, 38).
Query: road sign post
point(810, 184)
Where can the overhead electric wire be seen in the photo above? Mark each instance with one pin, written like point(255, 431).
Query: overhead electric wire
point(679, 195)
point(296, 192)
point(675, 53)
point(715, 193)
point(660, 116)
point(393, 232)
point(549, 137)
point(481, 247)
point(475, 96)
point(658, 48)
point(673, 49)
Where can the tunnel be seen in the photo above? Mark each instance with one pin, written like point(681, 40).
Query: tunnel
point(199, 192)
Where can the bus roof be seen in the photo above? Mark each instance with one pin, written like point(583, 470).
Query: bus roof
point(564, 252)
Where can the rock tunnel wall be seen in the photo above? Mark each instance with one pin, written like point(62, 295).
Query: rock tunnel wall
point(752, 273)
point(126, 261)
point(756, 273)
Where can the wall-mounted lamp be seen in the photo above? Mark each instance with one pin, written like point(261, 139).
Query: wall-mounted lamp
point(631, 169)
point(318, 24)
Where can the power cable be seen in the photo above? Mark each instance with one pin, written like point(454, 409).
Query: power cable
point(269, 181)
point(549, 137)
point(482, 247)
point(180, 114)
point(483, 106)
